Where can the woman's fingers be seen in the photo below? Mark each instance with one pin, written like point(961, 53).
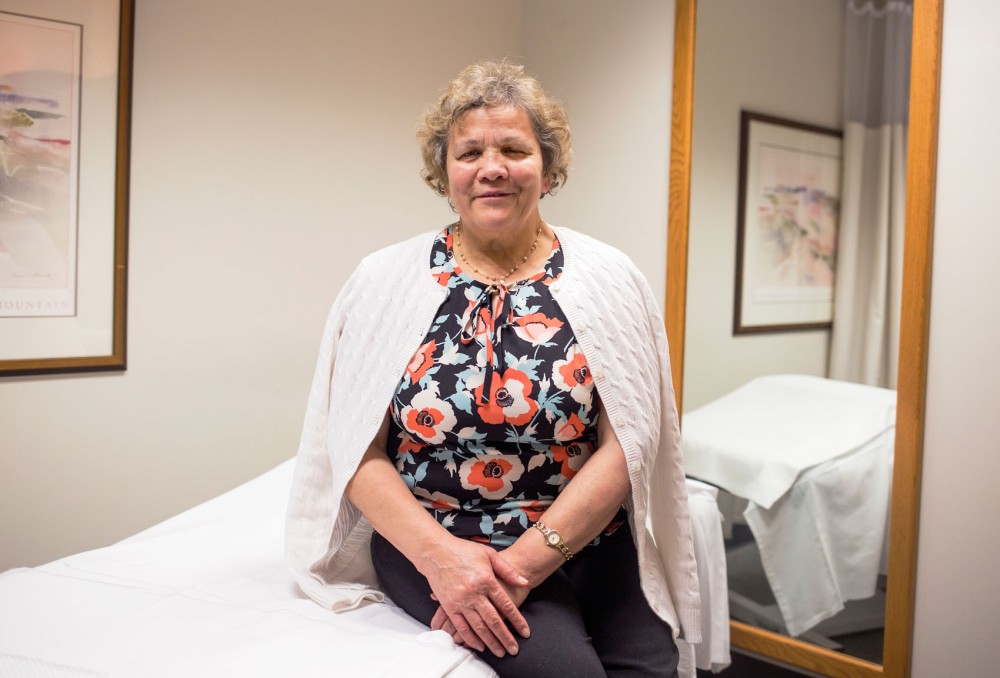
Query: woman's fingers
point(442, 622)
point(439, 620)
point(508, 610)
point(464, 582)
point(506, 572)
point(478, 629)
point(449, 628)
point(496, 624)
point(465, 632)
point(492, 599)
point(490, 628)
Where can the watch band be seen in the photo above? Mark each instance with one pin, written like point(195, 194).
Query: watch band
point(553, 539)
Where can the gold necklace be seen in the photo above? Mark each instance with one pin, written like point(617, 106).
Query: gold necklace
point(493, 278)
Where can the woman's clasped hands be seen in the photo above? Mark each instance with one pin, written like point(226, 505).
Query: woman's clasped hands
point(477, 590)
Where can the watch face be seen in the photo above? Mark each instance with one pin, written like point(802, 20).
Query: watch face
point(553, 538)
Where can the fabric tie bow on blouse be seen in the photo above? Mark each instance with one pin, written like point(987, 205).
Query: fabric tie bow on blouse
point(494, 310)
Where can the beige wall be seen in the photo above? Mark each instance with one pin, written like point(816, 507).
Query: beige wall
point(765, 56)
point(958, 594)
point(272, 148)
point(611, 63)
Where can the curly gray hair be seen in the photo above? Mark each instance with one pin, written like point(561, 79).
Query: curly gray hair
point(495, 84)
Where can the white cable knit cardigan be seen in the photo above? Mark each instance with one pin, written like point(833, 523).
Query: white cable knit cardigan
point(378, 321)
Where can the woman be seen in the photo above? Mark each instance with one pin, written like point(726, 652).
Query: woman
point(465, 379)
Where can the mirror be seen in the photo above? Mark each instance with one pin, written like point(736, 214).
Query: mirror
point(895, 655)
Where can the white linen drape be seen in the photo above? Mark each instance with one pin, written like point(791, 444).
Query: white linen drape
point(864, 343)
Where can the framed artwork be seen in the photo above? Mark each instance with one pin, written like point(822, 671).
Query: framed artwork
point(65, 83)
point(788, 214)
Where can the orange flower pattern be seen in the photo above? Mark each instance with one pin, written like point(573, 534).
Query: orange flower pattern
point(571, 457)
point(536, 328)
point(573, 375)
point(508, 401)
point(491, 474)
point(497, 410)
point(421, 361)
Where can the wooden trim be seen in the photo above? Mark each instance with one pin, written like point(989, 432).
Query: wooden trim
point(680, 189)
point(925, 84)
point(122, 179)
point(799, 654)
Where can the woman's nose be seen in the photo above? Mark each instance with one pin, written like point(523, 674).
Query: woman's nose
point(493, 167)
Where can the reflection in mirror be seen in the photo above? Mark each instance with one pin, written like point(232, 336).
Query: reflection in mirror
point(797, 428)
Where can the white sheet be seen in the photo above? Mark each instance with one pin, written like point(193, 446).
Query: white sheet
point(755, 441)
point(823, 543)
point(207, 593)
point(814, 457)
point(712, 653)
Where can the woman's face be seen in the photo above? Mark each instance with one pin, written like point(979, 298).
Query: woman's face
point(495, 171)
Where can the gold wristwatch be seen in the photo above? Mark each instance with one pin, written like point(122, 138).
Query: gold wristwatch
point(553, 539)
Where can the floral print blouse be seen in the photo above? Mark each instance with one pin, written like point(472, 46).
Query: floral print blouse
point(497, 410)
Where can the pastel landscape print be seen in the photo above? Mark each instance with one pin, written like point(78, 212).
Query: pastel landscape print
point(39, 92)
point(796, 229)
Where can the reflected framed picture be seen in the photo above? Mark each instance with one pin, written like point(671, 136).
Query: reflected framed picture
point(787, 223)
point(65, 84)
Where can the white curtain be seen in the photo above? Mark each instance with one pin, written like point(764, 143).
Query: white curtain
point(864, 345)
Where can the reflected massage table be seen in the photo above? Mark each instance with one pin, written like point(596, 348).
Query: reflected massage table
point(813, 459)
point(206, 593)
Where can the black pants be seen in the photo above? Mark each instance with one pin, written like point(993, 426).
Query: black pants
point(589, 618)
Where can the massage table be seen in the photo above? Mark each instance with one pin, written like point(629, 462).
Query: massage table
point(207, 594)
point(813, 459)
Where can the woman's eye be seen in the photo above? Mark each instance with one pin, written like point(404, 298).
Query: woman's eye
point(514, 151)
point(469, 154)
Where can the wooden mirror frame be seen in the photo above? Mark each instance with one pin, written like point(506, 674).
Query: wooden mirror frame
point(920, 189)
